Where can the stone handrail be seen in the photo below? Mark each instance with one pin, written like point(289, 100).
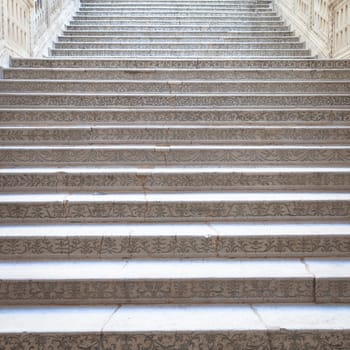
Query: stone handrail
point(323, 24)
point(28, 27)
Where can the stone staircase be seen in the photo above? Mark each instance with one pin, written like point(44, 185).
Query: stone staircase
point(175, 176)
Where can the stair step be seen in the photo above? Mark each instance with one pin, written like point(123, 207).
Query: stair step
point(148, 155)
point(175, 135)
point(175, 5)
point(210, 53)
point(177, 46)
point(174, 21)
point(266, 75)
point(198, 35)
point(177, 179)
point(150, 16)
point(173, 87)
point(178, 63)
point(179, 28)
point(176, 39)
point(180, 116)
point(173, 100)
point(175, 241)
point(174, 281)
point(175, 207)
point(236, 326)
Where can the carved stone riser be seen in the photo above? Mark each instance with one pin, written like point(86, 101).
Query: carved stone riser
point(88, 181)
point(148, 212)
point(175, 291)
point(172, 100)
point(165, 156)
point(172, 136)
point(175, 116)
point(178, 63)
point(173, 87)
point(151, 74)
point(173, 247)
point(179, 340)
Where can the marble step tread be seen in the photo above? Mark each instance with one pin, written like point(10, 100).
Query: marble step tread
point(171, 100)
point(178, 63)
point(175, 207)
point(135, 46)
point(196, 35)
point(176, 45)
point(177, 39)
point(174, 87)
point(179, 27)
point(192, 2)
point(212, 18)
point(112, 180)
point(179, 75)
point(172, 21)
point(174, 156)
point(115, 15)
point(208, 327)
point(174, 241)
point(174, 281)
point(175, 5)
point(174, 135)
point(65, 116)
point(165, 53)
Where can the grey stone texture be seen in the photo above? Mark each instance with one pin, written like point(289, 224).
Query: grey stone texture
point(175, 176)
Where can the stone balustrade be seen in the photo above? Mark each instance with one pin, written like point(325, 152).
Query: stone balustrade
point(323, 24)
point(28, 27)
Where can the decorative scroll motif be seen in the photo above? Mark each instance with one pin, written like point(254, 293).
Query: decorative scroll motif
point(303, 116)
point(181, 63)
point(112, 182)
point(271, 340)
point(176, 211)
point(157, 291)
point(114, 247)
point(167, 156)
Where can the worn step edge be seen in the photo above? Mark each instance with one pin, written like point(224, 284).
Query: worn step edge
point(175, 241)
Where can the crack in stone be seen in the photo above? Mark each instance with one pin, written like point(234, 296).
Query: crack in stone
point(314, 285)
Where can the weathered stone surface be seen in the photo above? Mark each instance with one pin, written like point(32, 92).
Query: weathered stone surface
point(202, 156)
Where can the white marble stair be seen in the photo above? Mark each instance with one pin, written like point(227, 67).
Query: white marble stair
point(174, 281)
point(176, 241)
point(178, 327)
point(175, 176)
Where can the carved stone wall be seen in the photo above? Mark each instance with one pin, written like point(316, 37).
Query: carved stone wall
point(28, 27)
point(323, 24)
